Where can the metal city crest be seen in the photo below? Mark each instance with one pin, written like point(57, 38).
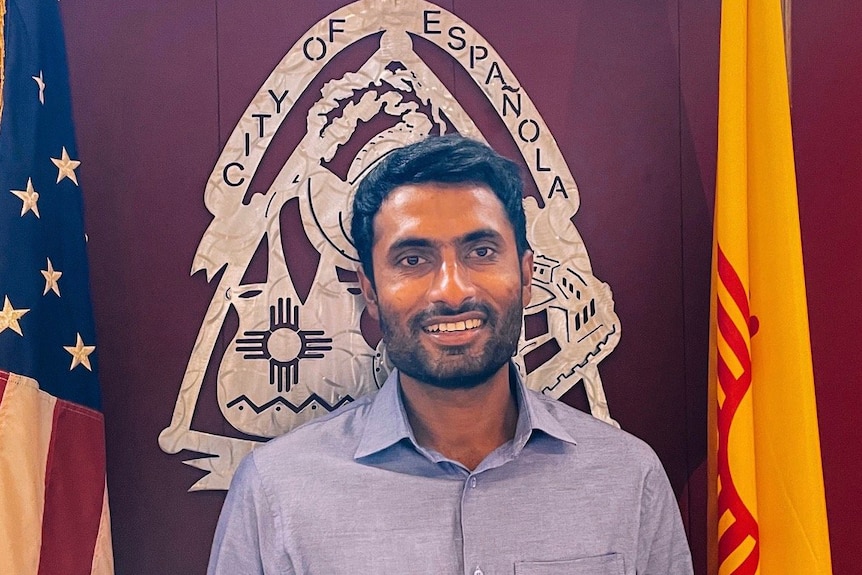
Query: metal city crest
point(296, 355)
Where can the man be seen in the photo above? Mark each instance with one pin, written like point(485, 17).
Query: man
point(453, 467)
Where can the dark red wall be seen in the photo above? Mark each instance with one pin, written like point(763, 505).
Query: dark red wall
point(628, 89)
point(827, 129)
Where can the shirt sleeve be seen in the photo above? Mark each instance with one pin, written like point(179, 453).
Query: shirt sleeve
point(247, 537)
point(662, 545)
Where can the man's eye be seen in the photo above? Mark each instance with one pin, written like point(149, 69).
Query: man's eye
point(483, 252)
point(411, 261)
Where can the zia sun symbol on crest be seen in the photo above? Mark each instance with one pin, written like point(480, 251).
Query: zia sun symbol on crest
point(283, 344)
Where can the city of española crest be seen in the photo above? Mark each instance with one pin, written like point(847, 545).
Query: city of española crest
point(298, 353)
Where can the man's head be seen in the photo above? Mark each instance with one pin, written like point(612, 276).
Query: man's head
point(450, 276)
point(451, 159)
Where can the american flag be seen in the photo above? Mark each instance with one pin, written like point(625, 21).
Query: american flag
point(53, 499)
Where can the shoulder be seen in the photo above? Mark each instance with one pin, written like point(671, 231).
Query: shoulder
point(334, 435)
point(595, 438)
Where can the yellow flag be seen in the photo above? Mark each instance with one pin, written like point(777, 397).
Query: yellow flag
point(768, 512)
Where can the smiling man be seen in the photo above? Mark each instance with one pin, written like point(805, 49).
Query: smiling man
point(453, 467)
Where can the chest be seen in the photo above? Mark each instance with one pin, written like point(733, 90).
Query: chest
point(386, 522)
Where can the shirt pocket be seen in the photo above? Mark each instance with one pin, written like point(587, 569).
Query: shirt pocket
point(610, 564)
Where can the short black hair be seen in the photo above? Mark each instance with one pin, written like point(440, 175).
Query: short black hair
point(450, 159)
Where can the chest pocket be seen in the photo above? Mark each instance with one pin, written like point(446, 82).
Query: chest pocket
point(610, 564)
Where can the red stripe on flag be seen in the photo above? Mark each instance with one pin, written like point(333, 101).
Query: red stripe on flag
point(733, 337)
point(749, 565)
point(732, 282)
point(74, 488)
point(4, 377)
point(742, 523)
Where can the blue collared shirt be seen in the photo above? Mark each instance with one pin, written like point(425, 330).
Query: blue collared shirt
point(353, 493)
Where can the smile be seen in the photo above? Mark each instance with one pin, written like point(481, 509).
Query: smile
point(454, 326)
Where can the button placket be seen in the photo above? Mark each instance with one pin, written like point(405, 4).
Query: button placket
point(469, 501)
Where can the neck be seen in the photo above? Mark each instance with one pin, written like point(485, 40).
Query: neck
point(464, 425)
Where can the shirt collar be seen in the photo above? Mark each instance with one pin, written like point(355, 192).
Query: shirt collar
point(533, 414)
point(387, 422)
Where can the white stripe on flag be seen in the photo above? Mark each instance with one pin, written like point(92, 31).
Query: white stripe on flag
point(103, 555)
point(26, 420)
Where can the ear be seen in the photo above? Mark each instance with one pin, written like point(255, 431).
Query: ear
point(368, 293)
point(526, 277)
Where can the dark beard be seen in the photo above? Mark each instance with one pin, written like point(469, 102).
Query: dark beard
point(406, 353)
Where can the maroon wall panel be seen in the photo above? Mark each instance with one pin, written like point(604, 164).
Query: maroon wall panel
point(626, 88)
point(698, 54)
point(827, 129)
point(144, 83)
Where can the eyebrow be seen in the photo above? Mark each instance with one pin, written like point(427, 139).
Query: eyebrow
point(478, 235)
point(471, 237)
point(411, 243)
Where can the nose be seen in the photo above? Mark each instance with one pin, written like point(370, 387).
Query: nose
point(452, 284)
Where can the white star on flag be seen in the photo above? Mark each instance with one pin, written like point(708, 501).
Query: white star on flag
point(54, 514)
point(51, 277)
point(66, 167)
point(9, 317)
point(29, 197)
point(40, 81)
point(80, 353)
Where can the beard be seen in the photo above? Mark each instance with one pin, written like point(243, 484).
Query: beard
point(453, 367)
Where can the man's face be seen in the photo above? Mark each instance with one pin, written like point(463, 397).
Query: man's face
point(450, 287)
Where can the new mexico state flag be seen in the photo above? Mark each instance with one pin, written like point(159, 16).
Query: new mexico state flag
point(768, 514)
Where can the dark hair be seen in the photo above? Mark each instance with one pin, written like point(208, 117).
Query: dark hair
point(450, 159)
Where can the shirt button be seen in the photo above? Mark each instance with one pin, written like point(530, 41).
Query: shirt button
point(478, 572)
point(473, 484)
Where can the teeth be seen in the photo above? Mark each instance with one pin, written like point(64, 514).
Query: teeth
point(455, 326)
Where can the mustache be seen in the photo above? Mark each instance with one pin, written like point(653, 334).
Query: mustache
point(443, 310)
